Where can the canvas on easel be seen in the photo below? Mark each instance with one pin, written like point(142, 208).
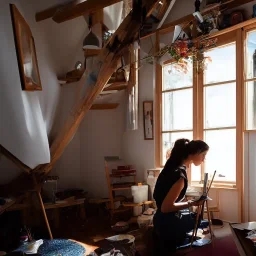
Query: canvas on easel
point(200, 210)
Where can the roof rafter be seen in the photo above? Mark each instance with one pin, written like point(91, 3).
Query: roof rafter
point(73, 10)
point(14, 159)
point(166, 28)
point(102, 70)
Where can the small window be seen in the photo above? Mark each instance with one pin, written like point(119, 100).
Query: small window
point(177, 107)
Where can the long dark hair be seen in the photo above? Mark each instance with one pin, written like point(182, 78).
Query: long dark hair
point(182, 149)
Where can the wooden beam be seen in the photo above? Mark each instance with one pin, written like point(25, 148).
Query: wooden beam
point(119, 86)
point(81, 8)
point(48, 13)
point(167, 28)
point(104, 106)
point(102, 70)
point(14, 159)
point(38, 192)
point(237, 3)
point(170, 5)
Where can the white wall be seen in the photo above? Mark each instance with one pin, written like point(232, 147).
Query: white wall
point(135, 149)
point(100, 135)
point(82, 164)
point(26, 117)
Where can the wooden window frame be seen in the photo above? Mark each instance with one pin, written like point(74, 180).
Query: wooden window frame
point(198, 99)
point(245, 31)
point(160, 96)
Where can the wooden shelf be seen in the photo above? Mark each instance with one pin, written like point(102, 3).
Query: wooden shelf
point(71, 76)
point(122, 175)
point(116, 86)
point(106, 200)
point(128, 204)
point(114, 187)
point(104, 106)
point(122, 188)
point(68, 80)
point(91, 52)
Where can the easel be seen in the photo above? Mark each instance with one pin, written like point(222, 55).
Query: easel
point(200, 211)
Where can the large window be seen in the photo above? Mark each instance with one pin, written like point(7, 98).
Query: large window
point(203, 105)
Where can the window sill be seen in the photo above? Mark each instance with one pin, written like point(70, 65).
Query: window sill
point(216, 186)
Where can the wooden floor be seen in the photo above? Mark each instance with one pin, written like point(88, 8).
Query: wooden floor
point(86, 232)
point(96, 228)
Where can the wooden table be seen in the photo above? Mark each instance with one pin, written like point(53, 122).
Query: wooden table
point(56, 207)
point(244, 246)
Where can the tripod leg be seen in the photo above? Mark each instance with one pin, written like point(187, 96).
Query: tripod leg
point(196, 226)
point(209, 219)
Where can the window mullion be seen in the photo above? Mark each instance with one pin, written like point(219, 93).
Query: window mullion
point(240, 117)
point(200, 109)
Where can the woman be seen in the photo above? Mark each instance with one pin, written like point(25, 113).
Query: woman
point(169, 226)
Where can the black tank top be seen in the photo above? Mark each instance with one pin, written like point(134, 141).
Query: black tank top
point(166, 180)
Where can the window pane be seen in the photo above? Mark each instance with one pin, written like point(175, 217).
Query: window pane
point(177, 110)
point(173, 79)
point(251, 105)
point(222, 154)
point(168, 140)
point(220, 105)
point(195, 173)
point(251, 55)
point(223, 65)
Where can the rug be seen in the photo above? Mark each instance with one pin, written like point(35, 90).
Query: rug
point(221, 247)
point(61, 247)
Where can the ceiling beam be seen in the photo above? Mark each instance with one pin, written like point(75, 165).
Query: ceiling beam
point(96, 79)
point(169, 8)
point(48, 13)
point(81, 8)
point(167, 28)
point(237, 3)
point(14, 159)
point(104, 106)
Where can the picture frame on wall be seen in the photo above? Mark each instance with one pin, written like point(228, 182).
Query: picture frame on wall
point(148, 120)
point(26, 52)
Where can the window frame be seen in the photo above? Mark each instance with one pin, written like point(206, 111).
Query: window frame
point(236, 36)
point(161, 98)
point(245, 32)
point(223, 40)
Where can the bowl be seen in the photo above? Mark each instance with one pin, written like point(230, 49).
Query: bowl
point(120, 226)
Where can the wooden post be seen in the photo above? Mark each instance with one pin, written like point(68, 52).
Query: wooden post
point(42, 206)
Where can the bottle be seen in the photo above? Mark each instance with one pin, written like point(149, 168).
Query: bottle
point(23, 236)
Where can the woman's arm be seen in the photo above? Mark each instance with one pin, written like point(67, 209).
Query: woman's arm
point(169, 204)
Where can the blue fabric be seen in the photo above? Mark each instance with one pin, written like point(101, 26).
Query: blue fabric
point(56, 247)
point(61, 247)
